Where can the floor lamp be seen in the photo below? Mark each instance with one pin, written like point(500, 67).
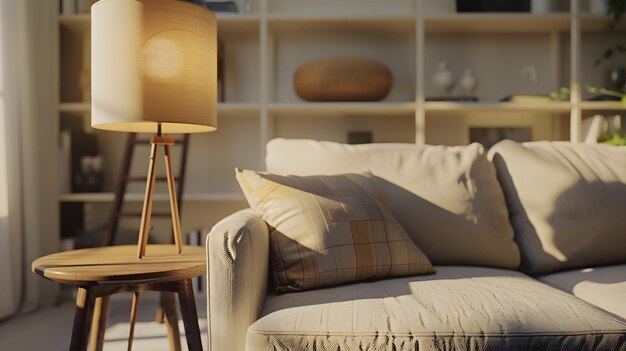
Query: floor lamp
point(154, 70)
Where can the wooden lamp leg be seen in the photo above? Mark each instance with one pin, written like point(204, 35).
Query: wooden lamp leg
point(133, 319)
point(146, 212)
point(171, 186)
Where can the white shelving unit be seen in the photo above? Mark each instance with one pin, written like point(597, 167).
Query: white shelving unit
point(263, 48)
point(499, 107)
point(159, 197)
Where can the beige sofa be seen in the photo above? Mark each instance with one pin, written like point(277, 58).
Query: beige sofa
point(529, 241)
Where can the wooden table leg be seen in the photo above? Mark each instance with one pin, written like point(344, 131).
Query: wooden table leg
point(189, 314)
point(171, 318)
point(100, 316)
point(133, 319)
point(160, 312)
point(83, 316)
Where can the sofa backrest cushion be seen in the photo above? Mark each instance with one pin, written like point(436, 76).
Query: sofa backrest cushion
point(567, 202)
point(330, 230)
point(447, 198)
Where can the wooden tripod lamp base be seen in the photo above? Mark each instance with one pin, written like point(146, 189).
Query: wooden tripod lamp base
point(146, 212)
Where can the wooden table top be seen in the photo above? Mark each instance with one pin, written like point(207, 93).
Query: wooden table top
point(119, 264)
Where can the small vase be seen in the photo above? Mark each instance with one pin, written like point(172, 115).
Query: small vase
point(597, 7)
point(468, 83)
point(617, 77)
point(443, 78)
point(541, 6)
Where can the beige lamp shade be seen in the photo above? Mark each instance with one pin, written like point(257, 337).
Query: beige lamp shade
point(153, 62)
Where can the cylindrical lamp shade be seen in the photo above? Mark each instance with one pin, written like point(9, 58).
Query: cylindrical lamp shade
point(153, 62)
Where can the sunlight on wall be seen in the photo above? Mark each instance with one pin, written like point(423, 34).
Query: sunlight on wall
point(4, 197)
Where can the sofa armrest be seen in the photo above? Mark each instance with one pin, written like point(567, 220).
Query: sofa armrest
point(237, 264)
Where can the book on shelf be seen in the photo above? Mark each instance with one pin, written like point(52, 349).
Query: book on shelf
point(82, 142)
point(68, 7)
point(527, 99)
point(65, 161)
point(221, 94)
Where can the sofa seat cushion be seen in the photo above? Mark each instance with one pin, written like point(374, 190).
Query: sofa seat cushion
point(604, 287)
point(459, 308)
point(448, 199)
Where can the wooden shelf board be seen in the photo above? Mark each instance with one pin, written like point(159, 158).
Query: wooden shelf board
point(78, 22)
point(224, 109)
point(464, 22)
point(603, 105)
point(497, 23)
point(343, 108)
point(237, 23)
point(597, 23)
point(391, 24)
point(137, 197)
point(344, 18)
point(226, 22)
point(75, 107)
point(461, 107)
point(237, 17)
point(236, 109)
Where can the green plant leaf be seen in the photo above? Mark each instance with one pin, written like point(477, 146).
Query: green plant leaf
point(615, 11)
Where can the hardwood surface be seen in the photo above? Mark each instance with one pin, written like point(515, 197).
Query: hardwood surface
point(88, 294)
point(190, 314)
point(83, 316)
point(120, 264)
point(99, 323)
point(168, 303)
point(100, 272)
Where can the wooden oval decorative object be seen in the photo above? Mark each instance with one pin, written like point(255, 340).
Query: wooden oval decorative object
point(342, 79)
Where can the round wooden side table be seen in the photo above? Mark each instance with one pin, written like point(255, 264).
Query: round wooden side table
point(103, 271)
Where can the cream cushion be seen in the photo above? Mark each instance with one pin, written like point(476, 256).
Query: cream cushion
point(329, 230)
point(604, 287)
point(567, 202)
point(459, 308)
point(447, 198)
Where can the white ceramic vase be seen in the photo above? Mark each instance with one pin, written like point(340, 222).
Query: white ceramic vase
point(443, 79)
point(541, 6)
point(597, 7)
point(468, 83)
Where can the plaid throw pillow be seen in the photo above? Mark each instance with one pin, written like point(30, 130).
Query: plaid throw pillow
point(329, 230)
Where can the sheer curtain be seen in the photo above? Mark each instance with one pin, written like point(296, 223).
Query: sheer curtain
point(10, 217)
point(28, 208)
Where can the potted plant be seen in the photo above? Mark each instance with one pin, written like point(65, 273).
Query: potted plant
point(614, 12)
